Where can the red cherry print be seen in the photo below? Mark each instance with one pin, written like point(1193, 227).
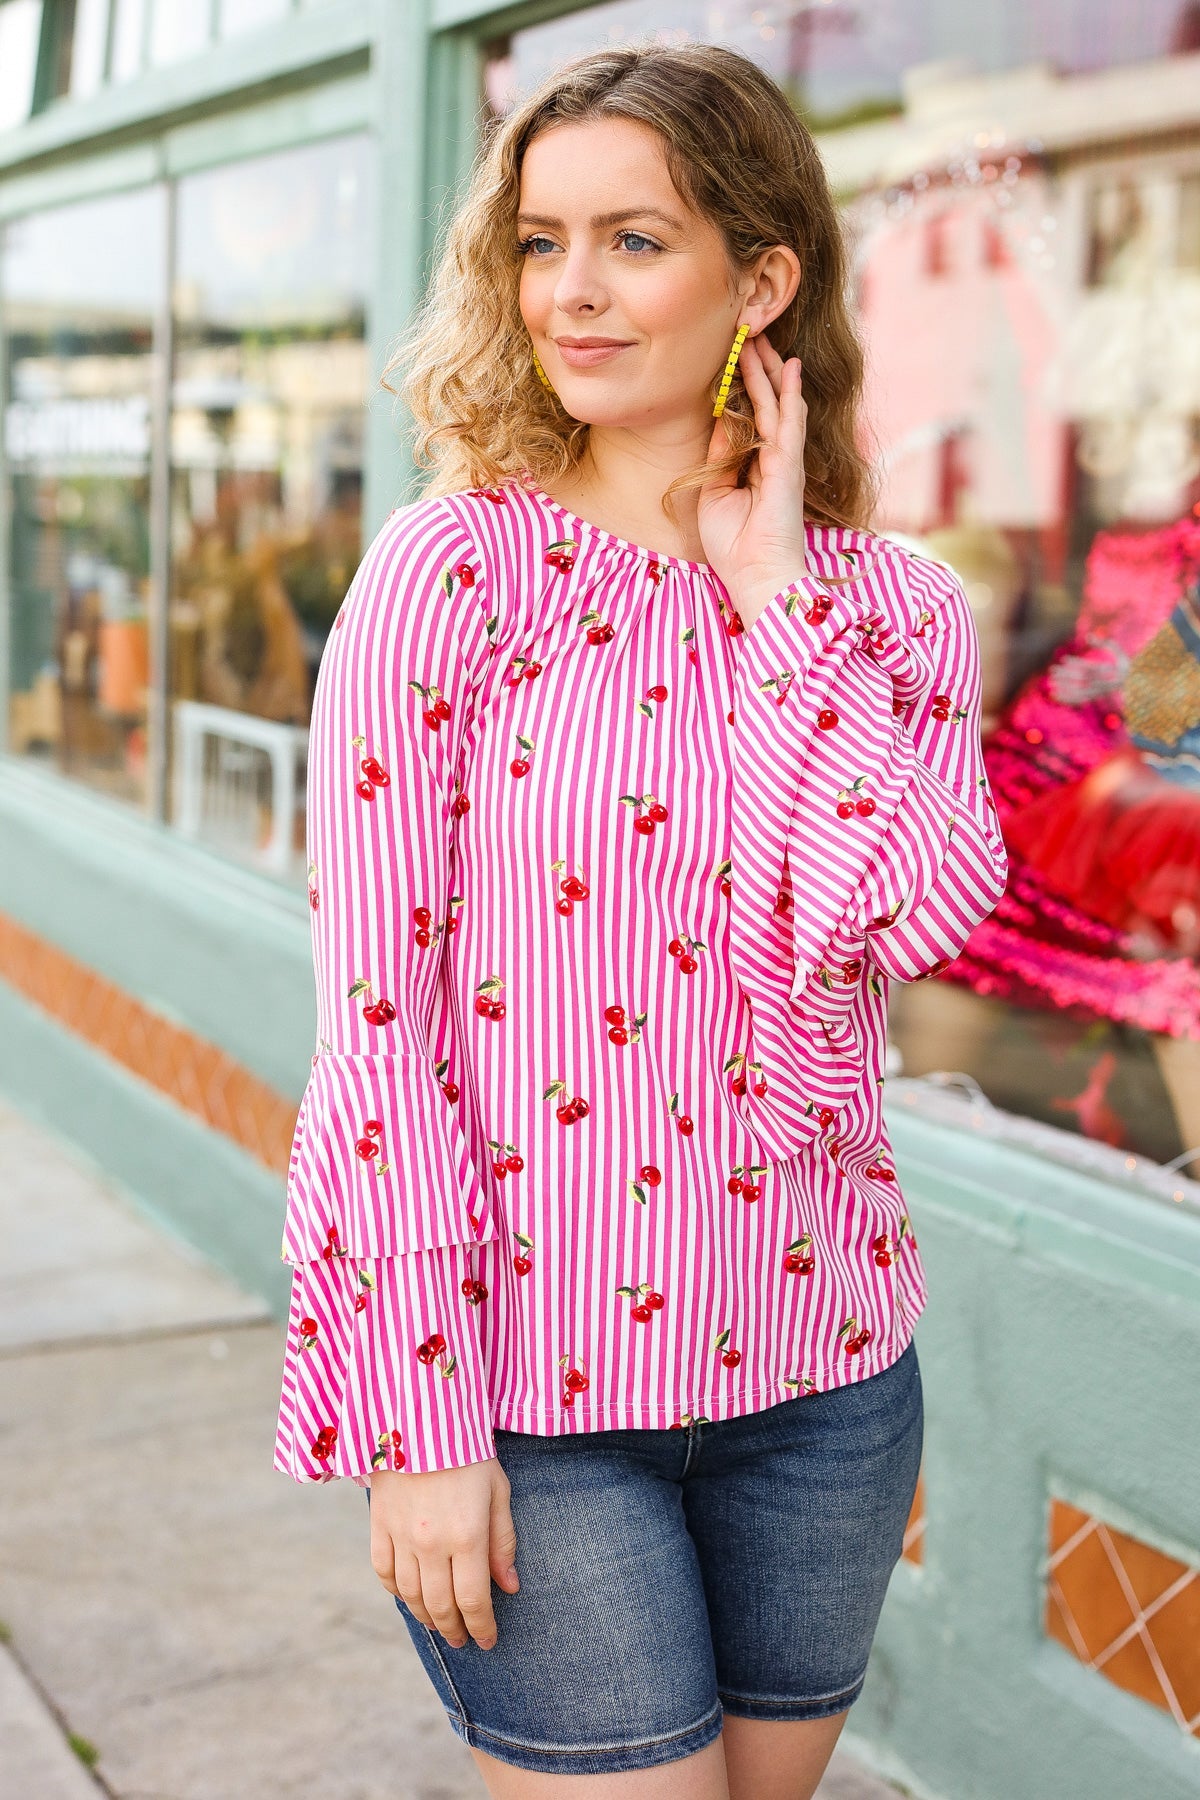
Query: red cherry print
point(522, 1265)
point(864, 807)
point(499, 1171)
point(688, 965)
point(734, 1184)
point(431, 719)
point(468, 1285)
point(437, 1343)
point(845, 809)
point(308, 1327)
point(796, 1263)
point(642, 1312)
point(576, 1380)
point(731, 1358)
point(532, 671)
point(827, 718)
point(658, 812)
point(314, 899)
point(751, 1190)
point(580, 1107)
point(826, 1116)
point(425, 1353)
point(568, 1397)
point(366, 1148)
point(940, 712)
point(565, 1114)
point(331, 1236)
point(441, 707)
point(882, 1259)
point(360, 1302)
point(654, 573)
point(375, 772)
point(461, 805)
point(649, 1174)
point(497, 496)
point(643, 826)
point(940, 700)
point(615, 1015)
point(465, 574)
point(450, 1089)
point(518, 766)
point(618, 1035)
point(364, 790)
point(483, 1005)
point(514, 1162)
point(497, 1009)
point(685, 1124)
point(422, 915)
point(675, 948)
point(655, 1302)
point(565, 907)
point(421, 939)
point(656, 693)
point(575, 889)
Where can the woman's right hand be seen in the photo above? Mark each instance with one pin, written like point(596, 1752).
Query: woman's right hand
point(438, 1541)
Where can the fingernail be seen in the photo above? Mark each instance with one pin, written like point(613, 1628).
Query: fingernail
point(513, 1576)
point(486, 1643)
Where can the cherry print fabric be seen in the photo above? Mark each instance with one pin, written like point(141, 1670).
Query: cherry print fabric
point(606, 895)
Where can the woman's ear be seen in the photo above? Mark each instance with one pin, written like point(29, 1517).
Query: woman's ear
point(772, 285)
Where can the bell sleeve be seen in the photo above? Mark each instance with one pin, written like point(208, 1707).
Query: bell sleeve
point(383, 1365)
point(864, 837)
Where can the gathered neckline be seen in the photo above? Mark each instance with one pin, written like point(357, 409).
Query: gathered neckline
point(642, 551)
point(663, 558)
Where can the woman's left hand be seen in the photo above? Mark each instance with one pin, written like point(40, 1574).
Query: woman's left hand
point(754, 536)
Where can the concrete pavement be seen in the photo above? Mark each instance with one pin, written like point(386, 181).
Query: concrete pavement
point(213, 1630)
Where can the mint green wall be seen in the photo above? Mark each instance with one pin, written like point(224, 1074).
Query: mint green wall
point(1060, 1350)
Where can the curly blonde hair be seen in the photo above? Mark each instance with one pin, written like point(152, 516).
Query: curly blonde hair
point(740, 157)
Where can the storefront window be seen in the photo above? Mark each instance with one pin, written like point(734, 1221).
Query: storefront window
point(1026, 265)
point(20, 28)
point(269, 390)
point(79, 296)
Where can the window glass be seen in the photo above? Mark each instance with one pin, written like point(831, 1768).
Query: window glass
point(179, 28)
point(1026, 273)
point(128, 33)
point(87, 47)
point(78, 305)
point(247, 15)
point(269, 389)
point(20, 28)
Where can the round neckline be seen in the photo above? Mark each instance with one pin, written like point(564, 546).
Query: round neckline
point(663, 558)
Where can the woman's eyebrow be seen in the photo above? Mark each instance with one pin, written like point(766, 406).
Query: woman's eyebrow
point(600, 220)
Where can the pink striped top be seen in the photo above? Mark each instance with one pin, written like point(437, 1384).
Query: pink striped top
point(606, 894)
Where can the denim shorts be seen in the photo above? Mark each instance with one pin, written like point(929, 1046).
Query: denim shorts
point(671, 1576)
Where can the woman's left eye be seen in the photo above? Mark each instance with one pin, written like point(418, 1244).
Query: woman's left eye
point(637, 242)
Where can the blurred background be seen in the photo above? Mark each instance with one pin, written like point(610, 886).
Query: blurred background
point(215, 215)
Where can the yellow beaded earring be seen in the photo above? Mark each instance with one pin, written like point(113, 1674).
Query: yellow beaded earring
point(541, 373)
point(743, 332)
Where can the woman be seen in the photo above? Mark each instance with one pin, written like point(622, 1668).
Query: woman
point(637, 768)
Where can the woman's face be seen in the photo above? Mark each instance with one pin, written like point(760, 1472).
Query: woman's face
point(626, 291)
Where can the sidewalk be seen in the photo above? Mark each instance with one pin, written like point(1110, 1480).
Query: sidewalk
point(204, 1628)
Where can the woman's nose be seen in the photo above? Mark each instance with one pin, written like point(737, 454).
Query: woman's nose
point(578, 288)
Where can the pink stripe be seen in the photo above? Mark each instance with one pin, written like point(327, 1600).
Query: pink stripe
point(789, 994)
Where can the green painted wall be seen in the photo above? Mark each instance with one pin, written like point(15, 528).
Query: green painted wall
point(1060, 1350)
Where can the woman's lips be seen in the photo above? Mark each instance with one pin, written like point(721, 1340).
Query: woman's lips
point(588, 353)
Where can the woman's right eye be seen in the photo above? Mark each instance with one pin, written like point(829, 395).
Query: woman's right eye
point(526, 246)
